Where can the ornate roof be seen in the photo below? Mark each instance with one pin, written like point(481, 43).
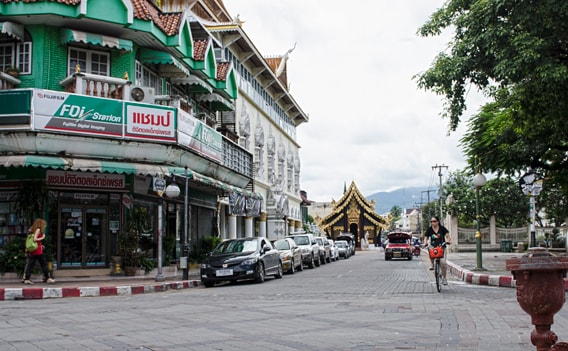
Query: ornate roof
point(351, 204)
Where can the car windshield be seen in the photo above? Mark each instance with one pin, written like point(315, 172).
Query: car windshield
point(301, 240)
point(282, 245)
point(235, 246)
point(341, 244)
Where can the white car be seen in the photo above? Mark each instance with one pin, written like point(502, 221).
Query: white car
point(344, 249)
point(334, 250)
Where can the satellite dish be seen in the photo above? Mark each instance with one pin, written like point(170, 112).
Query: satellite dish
point(137, 94)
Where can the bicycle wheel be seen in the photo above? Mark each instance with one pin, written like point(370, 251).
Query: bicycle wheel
point(438, 274)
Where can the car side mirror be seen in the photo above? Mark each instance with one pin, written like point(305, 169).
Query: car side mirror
point(265, 248)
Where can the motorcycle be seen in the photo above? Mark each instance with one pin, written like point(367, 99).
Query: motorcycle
point(416, 251)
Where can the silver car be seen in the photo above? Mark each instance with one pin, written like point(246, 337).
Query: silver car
point(290, 253)
point(325, 250)
point(343, 248)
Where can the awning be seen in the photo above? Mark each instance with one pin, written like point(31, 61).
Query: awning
point(196, 85)
point(216, 102)
point(227, 188)
point(69, 35)
point(156, 57)
point(12, 29)
point(84, 165)
point(104, 166)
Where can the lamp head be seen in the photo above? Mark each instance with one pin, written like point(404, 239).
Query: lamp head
point(172, 191)
point(479, 180)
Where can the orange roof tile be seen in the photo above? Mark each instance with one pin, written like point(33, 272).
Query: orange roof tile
point(199, 47)
point(223, 70)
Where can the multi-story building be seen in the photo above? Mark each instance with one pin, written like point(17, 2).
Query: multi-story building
point(114, 100)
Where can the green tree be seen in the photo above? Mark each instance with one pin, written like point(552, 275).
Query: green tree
point(500, 197)
point(516, 53)
point(396, 212)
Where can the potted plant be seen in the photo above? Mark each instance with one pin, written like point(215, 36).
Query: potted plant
point(14, 71)
point(133, 258)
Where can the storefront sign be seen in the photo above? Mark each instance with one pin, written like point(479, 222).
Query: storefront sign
point(85, 180)
point(77, 113)
point(156, 123)
point(198, 136)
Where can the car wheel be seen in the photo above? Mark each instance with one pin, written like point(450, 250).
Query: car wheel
point(328, 259)
point(410, 257)
point(259, 273)
point(292, 269)
point(322, 259)
point(208, 284)
point(317, 262)
point(279, 271)
point(312, 262)
point(301, 266)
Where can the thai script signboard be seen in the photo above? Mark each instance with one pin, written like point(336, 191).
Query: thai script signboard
point(85, 180)
point(196, 135)
point(150, 122)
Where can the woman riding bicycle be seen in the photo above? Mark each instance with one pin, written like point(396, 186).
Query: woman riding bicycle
point(436, 235)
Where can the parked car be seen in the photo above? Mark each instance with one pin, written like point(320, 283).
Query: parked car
point(333, 250)
point(350, 238)
point(290, 254)
point(398, 245)
point(325, 249)
point(241, 259)
point(343, 248)
point(310, 249)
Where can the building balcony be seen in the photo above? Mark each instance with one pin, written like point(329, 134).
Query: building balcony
point(8, 81)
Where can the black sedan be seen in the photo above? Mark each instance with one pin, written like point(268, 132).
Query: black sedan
point(241, 259)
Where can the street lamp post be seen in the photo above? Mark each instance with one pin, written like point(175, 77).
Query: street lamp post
point(479, 181)
point(185, 247)
point(171, 191)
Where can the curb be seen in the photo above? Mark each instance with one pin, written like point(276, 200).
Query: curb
point(505, 281)
point(64, 292)
point(467, 276)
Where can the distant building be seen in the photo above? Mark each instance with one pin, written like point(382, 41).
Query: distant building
point(409, 220)
point(354, 214)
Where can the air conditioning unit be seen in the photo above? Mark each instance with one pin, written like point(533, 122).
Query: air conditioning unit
point(219, 54)
point(143, 94)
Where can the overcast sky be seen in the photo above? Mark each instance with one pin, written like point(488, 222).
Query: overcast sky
point(351, 72)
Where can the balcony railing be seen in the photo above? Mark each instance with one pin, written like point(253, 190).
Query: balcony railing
point(97, 85)
point(8, 82)
point(235, 157)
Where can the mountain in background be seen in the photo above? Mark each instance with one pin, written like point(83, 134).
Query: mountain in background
point(410, 197)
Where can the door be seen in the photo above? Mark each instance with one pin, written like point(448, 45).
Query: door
point(84, 237)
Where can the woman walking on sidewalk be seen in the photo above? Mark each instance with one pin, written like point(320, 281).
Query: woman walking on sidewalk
point(38, 229)
point(435, 235)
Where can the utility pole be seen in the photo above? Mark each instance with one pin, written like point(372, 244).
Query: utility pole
point(439, 167)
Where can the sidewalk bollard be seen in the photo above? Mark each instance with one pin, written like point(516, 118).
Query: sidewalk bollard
point(540, 292)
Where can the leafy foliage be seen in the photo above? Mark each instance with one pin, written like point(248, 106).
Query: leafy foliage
point(129, 242)
point(500, 197)
point(396, 212)
point(516, 53)
point(12, 256)
point(207, 245)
